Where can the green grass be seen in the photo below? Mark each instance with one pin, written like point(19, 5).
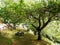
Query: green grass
point(5, 41)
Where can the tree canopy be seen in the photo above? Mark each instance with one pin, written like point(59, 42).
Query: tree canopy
point(38, 14)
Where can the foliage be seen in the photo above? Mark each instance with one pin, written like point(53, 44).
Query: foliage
point(12, 12)
point(37, 15)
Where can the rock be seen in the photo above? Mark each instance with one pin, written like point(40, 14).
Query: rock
point(19, 33)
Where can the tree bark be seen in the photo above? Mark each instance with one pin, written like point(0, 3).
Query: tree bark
point(39, 35)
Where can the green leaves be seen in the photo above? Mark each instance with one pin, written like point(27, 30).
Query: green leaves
point(12, 12)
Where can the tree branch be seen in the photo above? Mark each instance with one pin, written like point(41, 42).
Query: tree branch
point(45, 24)
point(39, 22)
point(34, 17)
point(32, 24)
point(43, 20)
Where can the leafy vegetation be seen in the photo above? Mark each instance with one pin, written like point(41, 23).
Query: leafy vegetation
point(39, 16)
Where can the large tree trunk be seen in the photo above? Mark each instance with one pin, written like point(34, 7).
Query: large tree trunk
point(39, 36)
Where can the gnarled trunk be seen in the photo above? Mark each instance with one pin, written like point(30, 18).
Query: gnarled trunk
point(39, 35)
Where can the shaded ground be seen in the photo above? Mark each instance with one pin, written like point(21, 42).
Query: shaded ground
point(26, 39)
point(29, 42)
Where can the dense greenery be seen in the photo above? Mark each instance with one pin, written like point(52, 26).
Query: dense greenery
point(38, 14)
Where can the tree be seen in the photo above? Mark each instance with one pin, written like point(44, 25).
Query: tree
point(12, 13)
point(41, 14)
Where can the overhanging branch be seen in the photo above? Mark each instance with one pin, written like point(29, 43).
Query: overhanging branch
point(45, 24)
point(34, 17)
point(32, 24)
